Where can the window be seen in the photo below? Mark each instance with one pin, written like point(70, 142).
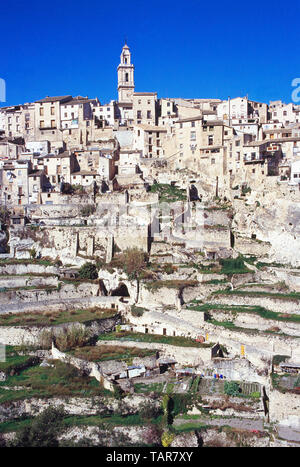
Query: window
point(126, 77)
point(210, 140)
point(148, 113)
point(42, 124)
point(41, 111)
point(139, 114)
point(213, 161)
point(193, 124)
point(52, 110)
point(52, 123)
point(193, 135)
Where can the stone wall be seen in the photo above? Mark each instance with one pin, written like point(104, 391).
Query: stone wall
point(282, 406)
point(31, 335)
point(278, 305)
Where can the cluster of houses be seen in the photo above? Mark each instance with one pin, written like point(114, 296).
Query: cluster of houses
point(60, 144)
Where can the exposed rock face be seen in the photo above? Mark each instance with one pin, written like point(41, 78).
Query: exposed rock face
point(32, 335)
point(276, 222)
point(73, 406)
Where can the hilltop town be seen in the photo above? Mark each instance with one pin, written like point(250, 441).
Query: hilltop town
point(150, 270)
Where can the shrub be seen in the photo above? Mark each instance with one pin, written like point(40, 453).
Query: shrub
point(32, 253)
point(43, 431)
point(87, 210)
point(231, 388)
point(137, 311)
point(167, 438)
point(88, 271)
point(148, 411)
point(74, 337)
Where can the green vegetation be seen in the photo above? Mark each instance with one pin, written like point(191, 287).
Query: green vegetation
point(52, 318)
point(232, 388)
point(277, 359)
point(100, 353)
point(252, 309)
point(137, 310)
point(281, 296)
point(153, 338)
point(87, 210)
point(59, 379)
point(14, 362)
point(147, 388)
point(215, 281)
point(233, 266)
point(168, 193)
point(41, 261)
point(88, 271)
point(134, 261)
point(43, 430)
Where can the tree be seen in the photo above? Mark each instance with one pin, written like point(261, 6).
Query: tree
point(88, 271)
point(134, 261)
point(43, 431)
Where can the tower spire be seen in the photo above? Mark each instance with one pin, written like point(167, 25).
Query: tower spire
point(125, 75)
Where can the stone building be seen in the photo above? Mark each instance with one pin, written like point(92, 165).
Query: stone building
point(145, 108)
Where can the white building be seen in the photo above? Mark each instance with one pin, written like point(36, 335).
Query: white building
point(295, 173)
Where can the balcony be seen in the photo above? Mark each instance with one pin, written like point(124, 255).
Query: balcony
point(47, 128)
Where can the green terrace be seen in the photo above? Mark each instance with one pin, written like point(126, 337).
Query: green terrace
point(227, 266)
point(252, 309)
point(47, 288)
point(37, 318)
point(15, 360)
point(153, 338)
point(293, 296)
point(101, 353)
point(59, 379)
point(41, 261)
point(168, 387)
point(102, 421)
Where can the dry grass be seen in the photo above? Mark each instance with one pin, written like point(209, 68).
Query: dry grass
point(110, 352)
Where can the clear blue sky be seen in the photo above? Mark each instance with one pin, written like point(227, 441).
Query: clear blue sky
point(179, 48)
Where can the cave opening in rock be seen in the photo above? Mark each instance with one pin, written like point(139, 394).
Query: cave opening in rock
point(120, 291)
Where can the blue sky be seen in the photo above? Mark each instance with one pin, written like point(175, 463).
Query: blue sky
point(179, 48)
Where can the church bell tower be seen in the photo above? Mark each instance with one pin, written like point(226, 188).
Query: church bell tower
point(125, 76)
